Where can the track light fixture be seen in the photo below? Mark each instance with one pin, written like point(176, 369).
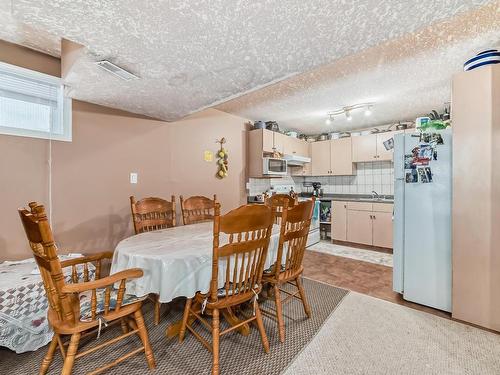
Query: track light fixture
point(368, 110)
point(347, 110)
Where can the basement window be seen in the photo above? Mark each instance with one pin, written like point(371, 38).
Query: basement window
point(32, 104)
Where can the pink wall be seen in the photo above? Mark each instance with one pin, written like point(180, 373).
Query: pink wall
point(90, 179)
point(23, 161)
point(91, 186)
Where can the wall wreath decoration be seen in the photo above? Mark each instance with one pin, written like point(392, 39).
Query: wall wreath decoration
point(222, 162)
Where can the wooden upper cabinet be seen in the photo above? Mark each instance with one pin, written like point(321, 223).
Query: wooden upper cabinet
point(267, 139)
point(280, 142)
point(320, 158)
point(364, 148)
point(371, 147)
point(382, 152)
point(339, 221)
point(301, 147)
point(332, 158)
point(295, 146)
point(341, 157)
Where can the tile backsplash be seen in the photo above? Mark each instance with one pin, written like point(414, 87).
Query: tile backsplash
point(377, 176)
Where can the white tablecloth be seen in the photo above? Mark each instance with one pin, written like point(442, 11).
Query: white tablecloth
point(23, 304)
point(176, 261)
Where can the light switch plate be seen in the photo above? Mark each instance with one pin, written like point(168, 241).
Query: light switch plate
point(133, 177)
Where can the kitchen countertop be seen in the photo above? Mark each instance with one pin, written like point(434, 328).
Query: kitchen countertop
point(353, 198)
point(342, 197)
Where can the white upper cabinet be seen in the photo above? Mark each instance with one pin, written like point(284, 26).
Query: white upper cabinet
point(332, 158)
point(371, 147)
point(320, 158)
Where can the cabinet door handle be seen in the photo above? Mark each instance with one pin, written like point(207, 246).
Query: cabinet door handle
point(374, 217)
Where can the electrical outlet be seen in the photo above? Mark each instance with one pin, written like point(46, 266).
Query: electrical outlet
point(133, 178)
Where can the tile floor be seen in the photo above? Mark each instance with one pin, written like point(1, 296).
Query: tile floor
point(377, 257)
point(360, 276)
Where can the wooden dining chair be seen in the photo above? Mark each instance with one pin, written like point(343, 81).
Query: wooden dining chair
point(278, 201)
point(78, 309)
point(197, 209)
point(240, 244)
point(287, 269)
point(150, 214)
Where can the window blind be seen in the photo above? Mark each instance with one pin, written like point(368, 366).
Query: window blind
point(33, 104)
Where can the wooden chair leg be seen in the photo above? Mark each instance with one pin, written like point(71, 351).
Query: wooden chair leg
point(70, 354)
point(47, 360)
point(157, 310)
point(185, 318)
point(262, 331)
point(143, 334)
point(124, 325)
point(215, 344)
point(279, 313)
point(302, 292)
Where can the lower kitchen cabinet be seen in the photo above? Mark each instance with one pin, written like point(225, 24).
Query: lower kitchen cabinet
point(382, 229)
point(359, 227)
point(362, 222)
point(339, 221)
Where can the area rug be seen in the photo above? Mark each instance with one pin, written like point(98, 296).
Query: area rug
point(364, 255)
point(239, 355)
point(366, 335)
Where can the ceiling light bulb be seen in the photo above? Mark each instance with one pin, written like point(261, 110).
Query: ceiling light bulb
point(368, 111)
point(329, 120)
point(348, 115)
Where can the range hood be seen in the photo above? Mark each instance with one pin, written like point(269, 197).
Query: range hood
point(296, 160)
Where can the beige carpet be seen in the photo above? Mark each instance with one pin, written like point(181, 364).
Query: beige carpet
point(366, 335)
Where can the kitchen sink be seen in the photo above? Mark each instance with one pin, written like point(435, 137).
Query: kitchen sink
point(376, 200)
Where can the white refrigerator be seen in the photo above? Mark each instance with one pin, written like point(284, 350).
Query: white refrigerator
point(422, 224)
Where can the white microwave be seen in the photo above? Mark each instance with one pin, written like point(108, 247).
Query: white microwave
point(274, 166)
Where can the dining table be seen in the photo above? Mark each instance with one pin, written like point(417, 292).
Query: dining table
point(177, 262)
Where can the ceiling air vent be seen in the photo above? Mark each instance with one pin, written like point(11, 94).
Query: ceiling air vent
point(116, 70)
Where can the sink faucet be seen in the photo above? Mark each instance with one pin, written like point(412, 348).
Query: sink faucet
point(375, 194)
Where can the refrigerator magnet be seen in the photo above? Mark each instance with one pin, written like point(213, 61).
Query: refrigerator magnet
point(422, 175)
point(389, 144)
point(428, 173)
point(409, 161)
point(411, 177)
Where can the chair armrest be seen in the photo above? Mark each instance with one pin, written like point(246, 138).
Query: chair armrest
point(132, 273)
point(87, 259)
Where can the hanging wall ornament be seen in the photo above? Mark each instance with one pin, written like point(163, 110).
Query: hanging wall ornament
point(222, 162)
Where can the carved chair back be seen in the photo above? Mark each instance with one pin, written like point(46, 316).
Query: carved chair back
point(197, 209)
point(152, 213)
point(278, 201)
point(295, 224)
point(41, 240)
point(240, 245)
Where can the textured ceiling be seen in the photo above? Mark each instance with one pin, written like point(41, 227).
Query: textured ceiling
point(195, 54)
point(18, 32)
point(406, 78)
